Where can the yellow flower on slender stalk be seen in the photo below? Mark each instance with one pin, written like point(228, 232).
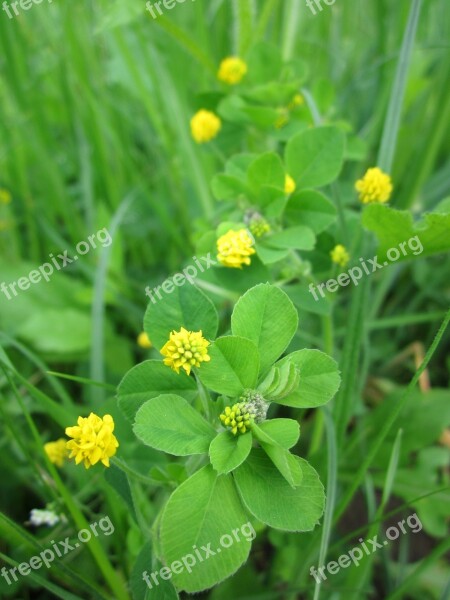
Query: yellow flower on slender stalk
point(339, 255)
point(297, 100)
point(5, 196)
point(205, 126)
point(289, 185)
point(185, 349)
point(56, 451)
point(375, 186)
point(235, 248)
point(93, 440)
point(144, 341)
point(232, 70)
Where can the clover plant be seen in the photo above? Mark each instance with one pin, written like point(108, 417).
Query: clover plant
point(223, 413)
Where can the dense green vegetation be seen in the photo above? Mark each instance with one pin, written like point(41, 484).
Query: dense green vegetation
point(293, 241)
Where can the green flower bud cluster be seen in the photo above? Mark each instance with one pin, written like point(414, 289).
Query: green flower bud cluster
point(255, 404)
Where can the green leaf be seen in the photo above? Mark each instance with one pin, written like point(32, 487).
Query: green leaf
point(285, 432)
point(238, 165)
point(299, 238)
point(266, 316)
point(199, 513)
point(225, 187)
point(304, 300)
point(395, 227)
point(268, 255)
point(170, 424)
point(273, 93)
point(319, 379)
point(186, 307)
point(284, 461)
point(148, 380)
point(267, 169)
point(314, 157)
point(231, 109)
point(233, 367)
point(145, 562)
point(261, 116)
point(310, 208)
point(228, 451)
point(57, 331)
point(268, 496)
point(118, 480)
point(264, 63)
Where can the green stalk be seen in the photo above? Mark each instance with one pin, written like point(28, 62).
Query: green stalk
point(332, 462)
point(290, 27)
point(392, 122)
point(98, 308)
point(264, 19)
point(243, 11)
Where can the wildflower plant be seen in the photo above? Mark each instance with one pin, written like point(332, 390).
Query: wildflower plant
point(223, 410)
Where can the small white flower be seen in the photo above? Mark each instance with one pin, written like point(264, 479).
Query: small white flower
point(43, 517)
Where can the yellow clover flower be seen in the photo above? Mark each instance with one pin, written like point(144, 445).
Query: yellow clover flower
point(232, 70)
point(375, 186)
point(185, 349)
point(235, 248)
point(144, 341)
point(289, 185)
point(237, 418)
point(5, 196)
point(339, 255)
point(297, 100)
point(56, 451)
point(205, 126)
point(93, 440)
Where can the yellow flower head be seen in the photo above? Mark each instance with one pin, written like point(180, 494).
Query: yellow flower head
point(339, 255)
point(237, 418)
point(185, 349)
point(289, 185)
point(5, 196)
point(205, 125)
point(375, 186)
point(93, 440)
point(235, 248)
point(297, 100)
point(232, 70)
point(144, 341)
point(56, 451)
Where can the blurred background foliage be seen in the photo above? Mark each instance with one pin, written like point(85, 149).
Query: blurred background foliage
point(96, 98)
